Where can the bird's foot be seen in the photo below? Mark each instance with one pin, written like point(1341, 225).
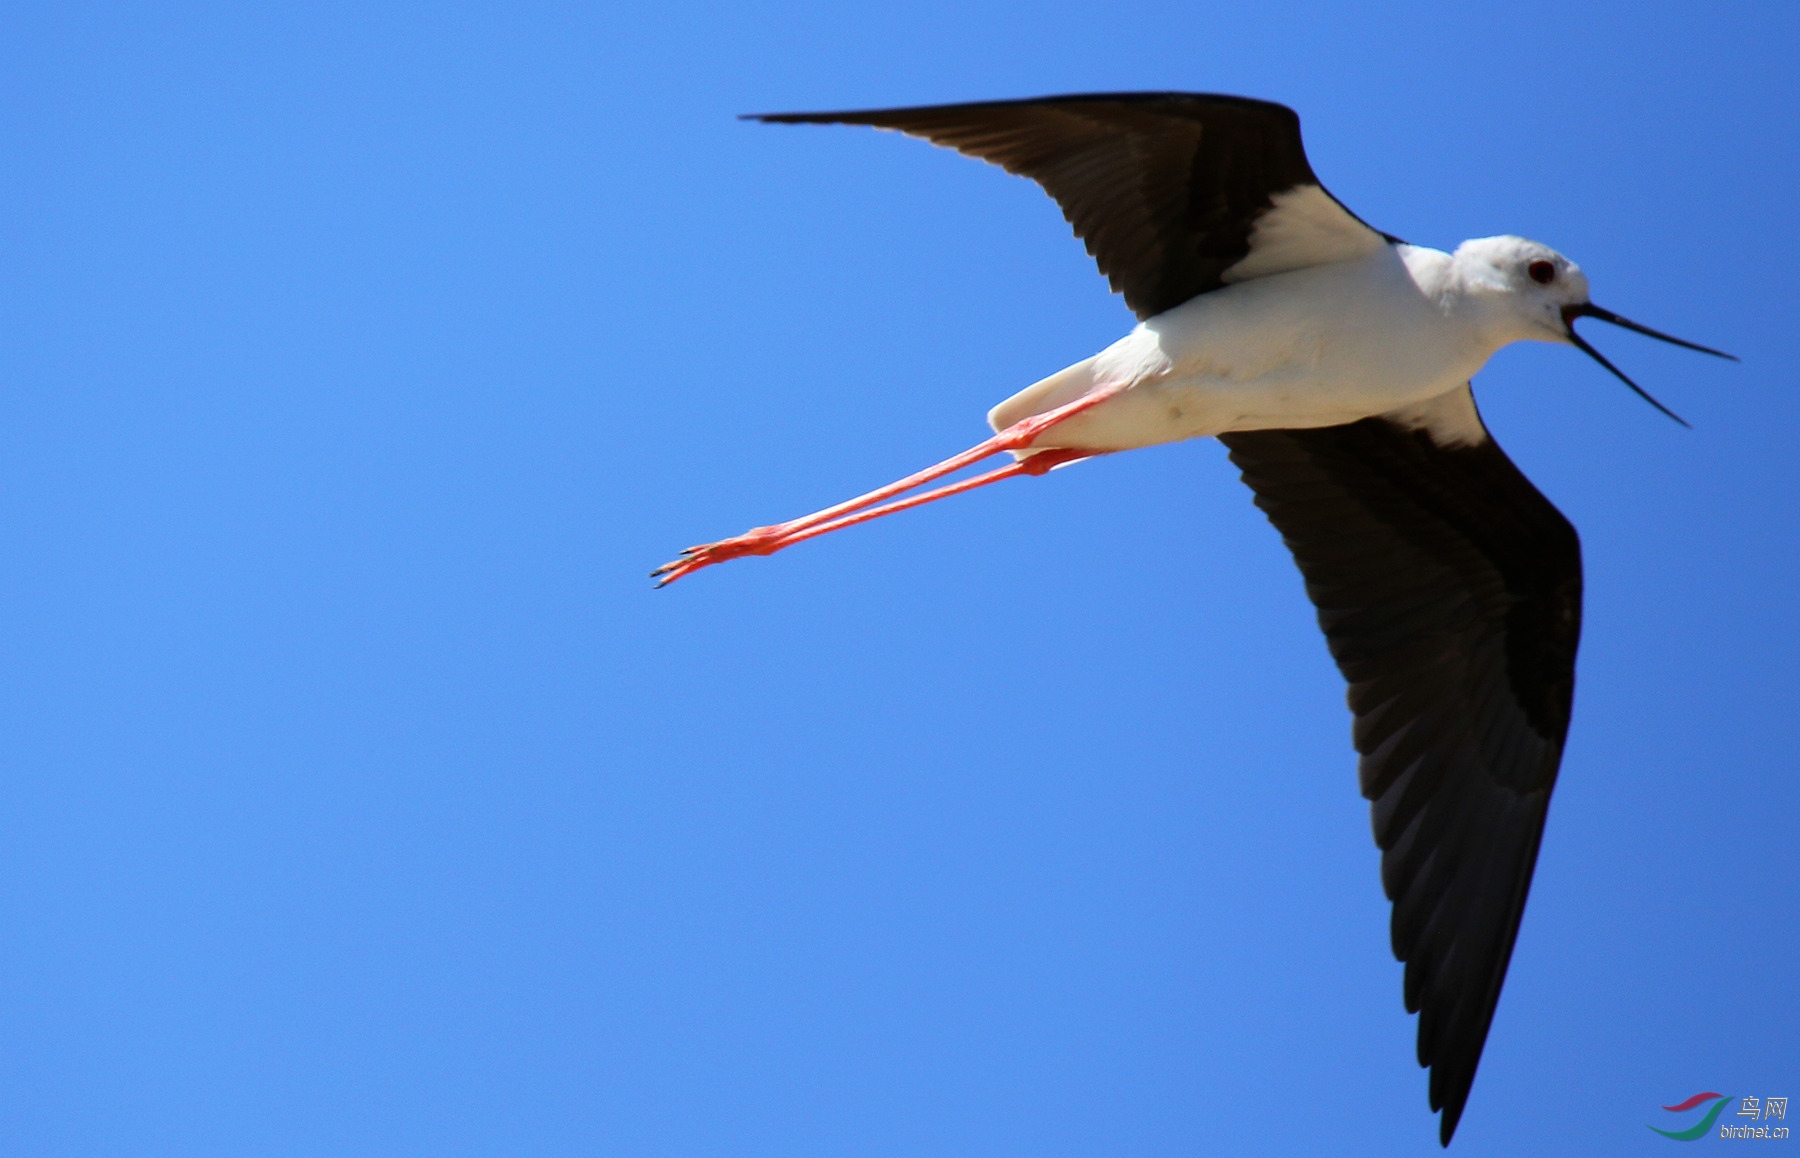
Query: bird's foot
point(1020, 436)
point(768, 540)
point(756, 541)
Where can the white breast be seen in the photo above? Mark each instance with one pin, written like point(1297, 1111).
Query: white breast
point(1308, 347)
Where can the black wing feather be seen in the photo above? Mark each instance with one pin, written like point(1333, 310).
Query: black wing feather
point(1165, 188)
point(1449, 590)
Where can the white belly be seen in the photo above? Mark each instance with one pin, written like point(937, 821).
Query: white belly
point(1313, 347)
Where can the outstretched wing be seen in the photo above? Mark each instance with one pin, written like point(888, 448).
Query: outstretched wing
point(1449, 590)
point(1175, 194)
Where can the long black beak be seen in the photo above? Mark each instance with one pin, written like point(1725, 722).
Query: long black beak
point(1590, 310)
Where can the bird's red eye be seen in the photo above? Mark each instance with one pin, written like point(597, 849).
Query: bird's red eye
point(1542, 272)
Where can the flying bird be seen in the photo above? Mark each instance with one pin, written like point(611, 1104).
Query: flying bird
point(1333, 361)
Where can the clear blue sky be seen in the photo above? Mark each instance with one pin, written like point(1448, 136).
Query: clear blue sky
point(360, 798)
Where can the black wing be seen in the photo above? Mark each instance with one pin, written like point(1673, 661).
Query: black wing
point(1449, 590)
point(1167, 189)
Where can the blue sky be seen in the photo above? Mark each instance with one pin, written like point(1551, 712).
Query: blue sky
point(362, 799)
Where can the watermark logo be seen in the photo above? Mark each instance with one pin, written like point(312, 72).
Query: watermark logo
point(1755, 1109)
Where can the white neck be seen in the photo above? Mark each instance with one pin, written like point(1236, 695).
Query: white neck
point(1469, 297)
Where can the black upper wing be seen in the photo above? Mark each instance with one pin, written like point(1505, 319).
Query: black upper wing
point(1165, 188)
point(1449, 590)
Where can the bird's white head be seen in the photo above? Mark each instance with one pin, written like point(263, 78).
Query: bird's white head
point(1519, 288)
point(1521, 291)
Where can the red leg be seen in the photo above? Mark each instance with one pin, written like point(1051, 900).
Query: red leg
point(1019, 436)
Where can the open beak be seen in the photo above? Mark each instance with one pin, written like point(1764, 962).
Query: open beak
point(1590, 310)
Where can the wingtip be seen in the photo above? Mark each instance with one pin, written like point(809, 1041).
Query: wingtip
point(1450, 1109)
point(1447, 1125)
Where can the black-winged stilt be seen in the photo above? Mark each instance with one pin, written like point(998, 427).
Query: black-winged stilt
point(1334, 362)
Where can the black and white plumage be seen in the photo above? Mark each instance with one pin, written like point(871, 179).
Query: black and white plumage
point(1333, 361)
point(1198, 172)
point(1449, 590)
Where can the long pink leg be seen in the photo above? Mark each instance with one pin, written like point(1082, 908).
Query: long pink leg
point(1019, 436)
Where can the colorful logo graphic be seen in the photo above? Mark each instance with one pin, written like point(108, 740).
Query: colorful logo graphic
point(1748, 1107)
point(1700, 1127)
